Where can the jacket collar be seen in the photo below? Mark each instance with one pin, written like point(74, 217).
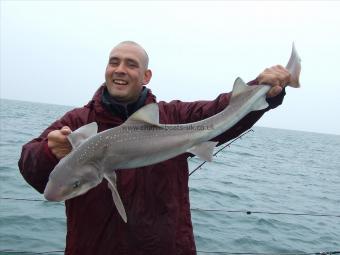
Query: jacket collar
point(121, 109)
point(99, 106)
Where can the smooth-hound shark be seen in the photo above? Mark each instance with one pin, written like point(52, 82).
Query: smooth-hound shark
point(142, 141)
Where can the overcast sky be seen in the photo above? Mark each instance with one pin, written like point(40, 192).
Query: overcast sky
point(56, 51)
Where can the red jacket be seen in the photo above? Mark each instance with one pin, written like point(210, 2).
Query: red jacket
point(156, 197)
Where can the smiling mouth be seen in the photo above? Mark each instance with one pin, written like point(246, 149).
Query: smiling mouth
point(120, 82)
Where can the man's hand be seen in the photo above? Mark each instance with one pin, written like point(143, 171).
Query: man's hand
point(276, 76)
point(58, 142)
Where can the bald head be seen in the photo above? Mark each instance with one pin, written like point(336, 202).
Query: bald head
point(127, 71)
point(145, 57)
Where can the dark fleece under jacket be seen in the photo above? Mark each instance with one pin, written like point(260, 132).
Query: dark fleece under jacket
point(156, 197)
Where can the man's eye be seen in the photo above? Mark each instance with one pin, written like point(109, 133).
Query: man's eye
point(133, 65)
point(76, 184)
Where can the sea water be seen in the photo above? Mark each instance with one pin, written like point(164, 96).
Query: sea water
point(272, 174)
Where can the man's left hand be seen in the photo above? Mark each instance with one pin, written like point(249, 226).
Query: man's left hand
point(276, 76)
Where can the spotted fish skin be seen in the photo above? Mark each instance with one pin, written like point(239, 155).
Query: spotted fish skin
point(142, 141)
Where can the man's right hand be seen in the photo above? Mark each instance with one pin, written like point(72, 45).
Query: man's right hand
point(58, 142)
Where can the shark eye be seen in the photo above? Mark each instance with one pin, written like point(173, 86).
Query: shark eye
point(76, 184)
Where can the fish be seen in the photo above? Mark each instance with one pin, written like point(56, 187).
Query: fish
point(142, 140)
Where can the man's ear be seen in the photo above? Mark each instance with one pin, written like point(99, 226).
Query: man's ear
point(147, 77)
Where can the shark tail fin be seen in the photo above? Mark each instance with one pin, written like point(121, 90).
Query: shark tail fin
point(204, 150)
point(294, 68)
point(111, 179)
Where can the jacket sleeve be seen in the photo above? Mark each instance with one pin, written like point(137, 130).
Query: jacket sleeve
point(196, 111)
point(37, 161)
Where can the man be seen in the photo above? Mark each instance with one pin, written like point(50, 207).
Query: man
point(156, 197)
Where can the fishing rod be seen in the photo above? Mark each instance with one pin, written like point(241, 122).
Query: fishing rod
point(9, 251)
point(225, 146)
point(264, 253)
point(205, 210)
point(210, 210)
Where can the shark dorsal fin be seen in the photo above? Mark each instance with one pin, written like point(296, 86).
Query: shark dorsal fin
point(147, 114)
point(78, 136)
point(239, 86)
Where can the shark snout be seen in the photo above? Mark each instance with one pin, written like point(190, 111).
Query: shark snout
point(51, 197)
point(51, 193)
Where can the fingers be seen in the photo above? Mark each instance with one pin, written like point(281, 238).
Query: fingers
point(58, 142)
point(274, 91)
point(65, 130)
point(59, 136)
point(275, 76)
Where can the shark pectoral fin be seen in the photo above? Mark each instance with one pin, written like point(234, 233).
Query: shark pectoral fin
point(111, 179)
point(82, 133)
point(147, 114)
point(204, 150)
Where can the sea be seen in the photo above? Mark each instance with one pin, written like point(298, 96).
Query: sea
point(272, 191)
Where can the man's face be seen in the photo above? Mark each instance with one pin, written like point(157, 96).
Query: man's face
point(126, 72)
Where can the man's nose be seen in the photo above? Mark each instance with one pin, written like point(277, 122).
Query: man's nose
point(120, 69)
